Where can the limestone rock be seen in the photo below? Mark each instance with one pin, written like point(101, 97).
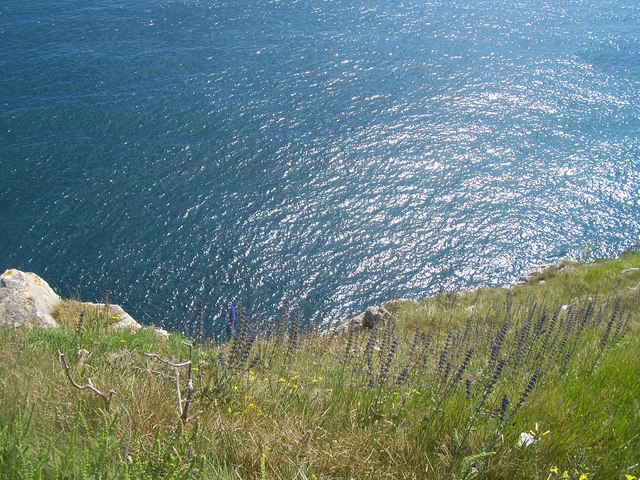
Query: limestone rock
point(538, 273)
point(346, 325)
point(26, 299)
point(373, 316)
point(160, 332)
point(124, 320)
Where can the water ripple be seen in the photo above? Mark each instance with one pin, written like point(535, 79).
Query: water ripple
point(337, 153)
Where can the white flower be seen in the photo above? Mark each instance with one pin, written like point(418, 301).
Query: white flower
point(526, 440)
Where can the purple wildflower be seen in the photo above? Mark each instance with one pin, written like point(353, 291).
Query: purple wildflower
point(232, 319)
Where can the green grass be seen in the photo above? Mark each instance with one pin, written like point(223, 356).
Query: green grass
point(419, 397)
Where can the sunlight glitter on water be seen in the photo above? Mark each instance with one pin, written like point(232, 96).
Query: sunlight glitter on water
point(339, 154)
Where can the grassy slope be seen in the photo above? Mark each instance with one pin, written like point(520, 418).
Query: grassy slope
point(393, 403)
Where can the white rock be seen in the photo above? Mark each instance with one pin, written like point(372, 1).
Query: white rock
point(26, 299)
point(124, 319)
point(161, 332)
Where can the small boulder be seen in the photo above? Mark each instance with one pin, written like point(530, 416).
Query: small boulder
point(26, 299)
point(356, 321)
point(160, 332)
point(373, 316)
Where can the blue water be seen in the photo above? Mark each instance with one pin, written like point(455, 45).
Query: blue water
point(338, 152)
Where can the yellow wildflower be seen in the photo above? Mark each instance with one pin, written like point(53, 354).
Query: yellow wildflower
point(251, 372)
point(536, 431)
point(584, 476)
point(122, 340)
point(565, 474)
point(228, 409)
point(554, 470)
point(195, 369)
point(630, 477)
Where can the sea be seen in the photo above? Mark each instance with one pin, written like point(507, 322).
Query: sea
point(204, 153)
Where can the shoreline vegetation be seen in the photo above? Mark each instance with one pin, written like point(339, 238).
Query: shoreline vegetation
point(537, 381)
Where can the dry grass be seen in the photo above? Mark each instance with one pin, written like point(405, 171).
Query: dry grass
point(321, 411)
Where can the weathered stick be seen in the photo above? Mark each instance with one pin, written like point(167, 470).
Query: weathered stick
point(166, 362)
point(183, 405)
point(184, 415)
point(89, 385)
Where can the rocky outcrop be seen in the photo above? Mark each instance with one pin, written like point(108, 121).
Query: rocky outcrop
point(370, 318)
point(539, 273)
point(124, 320)
point(373, 316)
point(26, 299)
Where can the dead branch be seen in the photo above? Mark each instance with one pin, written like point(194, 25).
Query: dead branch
point(183, 405)
point(180, 409)
point(184, 410)
point(89, 385)
point(166, 362)
point(125, 454)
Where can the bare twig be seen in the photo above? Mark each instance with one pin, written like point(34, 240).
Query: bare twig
point(166, 362)
point(180, 409)
point(89, 385)
point(184, 414)
point(125, 454)
point(183, 405)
